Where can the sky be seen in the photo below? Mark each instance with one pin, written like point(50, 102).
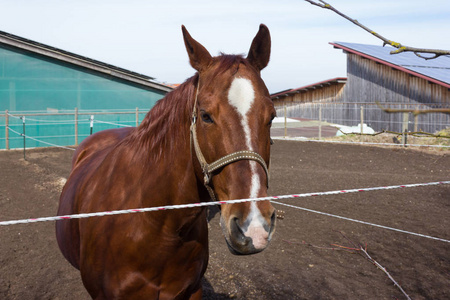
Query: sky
point(145, 36)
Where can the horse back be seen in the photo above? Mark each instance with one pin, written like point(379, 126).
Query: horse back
point(86, 159)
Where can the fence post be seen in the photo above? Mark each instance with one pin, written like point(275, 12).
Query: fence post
point(285, 120)
point(6, 130)
point(405, 128)
point(416, 121)
point(24, 146)
point(76, 126)
point(362, 123)
point(91, 124)
point(137, 116)
point(320, 121)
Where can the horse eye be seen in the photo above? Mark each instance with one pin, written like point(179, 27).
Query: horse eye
point(271, 120)
point(206, 117)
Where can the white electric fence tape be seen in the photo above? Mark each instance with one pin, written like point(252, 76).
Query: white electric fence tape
point(160, 208)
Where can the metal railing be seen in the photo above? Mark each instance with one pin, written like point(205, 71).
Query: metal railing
point(314, 120)
point(327, 119)
point(350, 114)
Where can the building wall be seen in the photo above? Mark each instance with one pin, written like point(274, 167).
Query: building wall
point(369, 81)
point(30, 82)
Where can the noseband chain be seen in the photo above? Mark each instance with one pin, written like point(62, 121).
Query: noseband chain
point(208, 169)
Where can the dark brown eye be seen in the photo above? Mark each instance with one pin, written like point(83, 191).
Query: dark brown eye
point(206, 117)
point(271, 120)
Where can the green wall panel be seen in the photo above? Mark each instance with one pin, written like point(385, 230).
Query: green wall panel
point(32, 83)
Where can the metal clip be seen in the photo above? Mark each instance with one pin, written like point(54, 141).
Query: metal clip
point(207, 177)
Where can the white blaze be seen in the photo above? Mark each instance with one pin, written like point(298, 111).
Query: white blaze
point(241, 96)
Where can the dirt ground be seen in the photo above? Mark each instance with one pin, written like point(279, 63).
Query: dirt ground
point(299, 263)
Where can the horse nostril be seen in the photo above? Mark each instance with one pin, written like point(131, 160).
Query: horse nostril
point(236, 227)
point(238, 232)
point(273, 217)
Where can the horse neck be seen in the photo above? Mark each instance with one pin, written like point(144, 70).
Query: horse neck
point(165, 129)
point(162, 143)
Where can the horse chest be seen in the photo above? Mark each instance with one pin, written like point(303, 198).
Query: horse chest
point(173, 275)
point(140, 265)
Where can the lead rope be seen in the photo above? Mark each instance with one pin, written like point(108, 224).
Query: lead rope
point(208, 169)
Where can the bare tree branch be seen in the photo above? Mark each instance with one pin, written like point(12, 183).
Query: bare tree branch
point(355, 248)
point(400, 48)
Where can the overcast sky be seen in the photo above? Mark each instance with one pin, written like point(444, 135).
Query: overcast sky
point(145, 36)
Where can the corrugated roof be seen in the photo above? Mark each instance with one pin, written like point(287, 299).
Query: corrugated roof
point(435, 70)
point(75, 59)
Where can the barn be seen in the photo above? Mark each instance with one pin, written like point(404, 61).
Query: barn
point(51, 83)
point(402, 81)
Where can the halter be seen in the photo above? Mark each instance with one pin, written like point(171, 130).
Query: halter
point(208, 169)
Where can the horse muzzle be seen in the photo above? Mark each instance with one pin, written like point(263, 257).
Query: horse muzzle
point(250, 236)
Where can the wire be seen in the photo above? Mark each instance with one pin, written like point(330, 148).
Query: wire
point(362, 222)
point(31, 138)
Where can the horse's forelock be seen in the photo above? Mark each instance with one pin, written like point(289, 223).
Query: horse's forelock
point(227, 62)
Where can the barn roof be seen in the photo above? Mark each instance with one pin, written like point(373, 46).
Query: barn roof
point(305, 88)
point(434, 70)
point(78, 60)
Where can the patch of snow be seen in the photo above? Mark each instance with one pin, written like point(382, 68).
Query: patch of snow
point(353, 129)
point(281, 120)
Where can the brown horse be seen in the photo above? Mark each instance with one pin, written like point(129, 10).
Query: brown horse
point(209, 138)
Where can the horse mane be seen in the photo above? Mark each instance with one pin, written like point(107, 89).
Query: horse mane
point(168, 122)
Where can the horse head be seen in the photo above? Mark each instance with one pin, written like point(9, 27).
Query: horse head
point(230, 133)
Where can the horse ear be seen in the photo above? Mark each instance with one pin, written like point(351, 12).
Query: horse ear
point(199, 57)
point(259, 53)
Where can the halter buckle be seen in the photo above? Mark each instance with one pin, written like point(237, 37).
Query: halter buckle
point(207, 175)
